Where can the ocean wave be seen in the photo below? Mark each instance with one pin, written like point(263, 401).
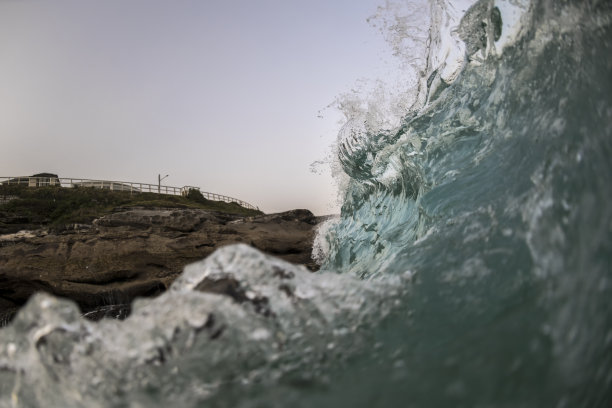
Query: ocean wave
point(470, 265)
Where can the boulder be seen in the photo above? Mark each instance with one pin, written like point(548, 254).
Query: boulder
point(137, 252)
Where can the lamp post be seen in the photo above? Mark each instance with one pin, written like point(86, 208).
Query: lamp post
point(159, 180)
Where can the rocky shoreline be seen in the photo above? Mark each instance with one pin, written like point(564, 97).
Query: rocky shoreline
point(136, 252)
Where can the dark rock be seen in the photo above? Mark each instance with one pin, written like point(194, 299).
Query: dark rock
point(137, 252)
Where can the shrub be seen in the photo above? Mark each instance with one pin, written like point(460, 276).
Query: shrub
point(195, 195)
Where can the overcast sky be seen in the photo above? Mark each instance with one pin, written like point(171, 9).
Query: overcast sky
point(223, 95)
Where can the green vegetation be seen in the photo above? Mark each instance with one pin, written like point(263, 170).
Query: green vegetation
point(57, 206)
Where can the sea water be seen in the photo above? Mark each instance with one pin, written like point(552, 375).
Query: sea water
point(470, 265)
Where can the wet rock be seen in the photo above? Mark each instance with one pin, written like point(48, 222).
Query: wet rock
point(136, 252)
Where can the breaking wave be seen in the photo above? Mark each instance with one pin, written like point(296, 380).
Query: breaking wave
point(470, 265)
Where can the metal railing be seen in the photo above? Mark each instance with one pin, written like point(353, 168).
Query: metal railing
point(119, 186)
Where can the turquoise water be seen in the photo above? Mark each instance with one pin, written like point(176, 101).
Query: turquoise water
point(512, 301)
point(470, 266)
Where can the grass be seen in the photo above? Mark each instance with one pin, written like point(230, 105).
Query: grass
point(56, 206)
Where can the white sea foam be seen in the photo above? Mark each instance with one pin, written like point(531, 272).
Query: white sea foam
point(237, 314)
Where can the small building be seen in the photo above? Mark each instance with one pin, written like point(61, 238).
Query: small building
point(37, 180)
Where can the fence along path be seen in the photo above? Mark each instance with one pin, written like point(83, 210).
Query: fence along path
point(120, 186)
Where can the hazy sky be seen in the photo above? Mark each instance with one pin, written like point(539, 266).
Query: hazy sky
point(223, 95)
